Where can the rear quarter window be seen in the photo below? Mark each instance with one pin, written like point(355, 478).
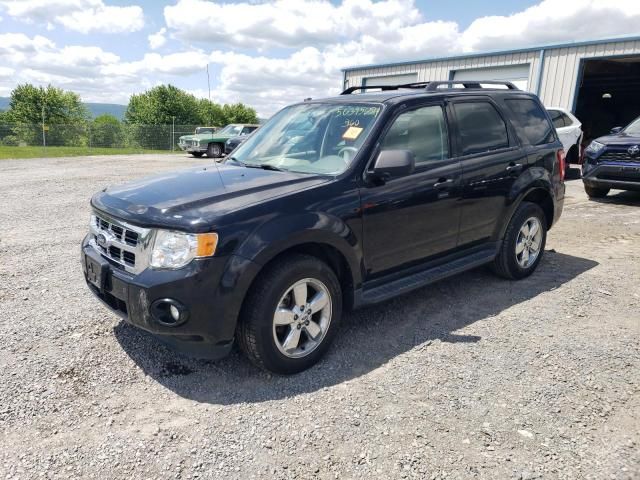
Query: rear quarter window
point(530, 120)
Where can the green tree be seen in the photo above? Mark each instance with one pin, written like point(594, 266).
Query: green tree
point(106, 131)
point(239, 113)
point(211, 114)
point(160, 105)
point(64, 115)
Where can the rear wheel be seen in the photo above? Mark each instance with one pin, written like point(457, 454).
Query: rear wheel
point(595, 192)
point(291, 315)
point(197, 154)
point(214, 150)
point(523, 244)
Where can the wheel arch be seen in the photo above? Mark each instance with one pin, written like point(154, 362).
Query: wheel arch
point(538, 193)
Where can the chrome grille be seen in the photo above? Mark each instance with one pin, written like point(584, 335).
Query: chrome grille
point(123, 244)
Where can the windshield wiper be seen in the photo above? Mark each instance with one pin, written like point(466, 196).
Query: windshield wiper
point(264, 166)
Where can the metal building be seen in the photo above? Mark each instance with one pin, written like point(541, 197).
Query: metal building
point(599, 81)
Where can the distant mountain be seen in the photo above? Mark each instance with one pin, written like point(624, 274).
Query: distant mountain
point(111, 108)
point(95, 109)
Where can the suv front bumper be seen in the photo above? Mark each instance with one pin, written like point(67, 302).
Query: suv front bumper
point(211, 291)
point(616, 175)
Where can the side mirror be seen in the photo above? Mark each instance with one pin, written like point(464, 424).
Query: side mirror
point(394, 163)
point(616, 130)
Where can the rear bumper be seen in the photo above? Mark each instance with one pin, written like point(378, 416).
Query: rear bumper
point(211, 291)
point(622, 176)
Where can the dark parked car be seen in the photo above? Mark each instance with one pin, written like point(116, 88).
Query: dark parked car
point(234, 142)
point(613, 161)
point(371, 196)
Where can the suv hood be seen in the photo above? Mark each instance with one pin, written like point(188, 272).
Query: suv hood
point(619, 139)
point(194, 199)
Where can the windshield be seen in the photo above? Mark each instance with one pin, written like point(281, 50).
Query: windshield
point(633, 128)
point(233, 130)
point(204, 130)
point(310, 138)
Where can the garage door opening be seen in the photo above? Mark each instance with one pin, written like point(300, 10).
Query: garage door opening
point(608, 95)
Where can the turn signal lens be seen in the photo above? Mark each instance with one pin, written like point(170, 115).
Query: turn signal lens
point(207, 243)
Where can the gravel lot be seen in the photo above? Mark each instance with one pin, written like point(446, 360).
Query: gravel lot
point(473, 377)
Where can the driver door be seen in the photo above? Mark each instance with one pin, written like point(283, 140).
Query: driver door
point(414, 218)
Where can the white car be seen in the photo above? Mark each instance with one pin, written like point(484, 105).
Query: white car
point(569, 130)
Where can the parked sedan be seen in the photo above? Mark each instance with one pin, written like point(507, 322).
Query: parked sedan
point(613, 161)
point(233, 143)
point(569, 130)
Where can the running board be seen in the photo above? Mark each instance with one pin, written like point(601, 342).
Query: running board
point(424, 277)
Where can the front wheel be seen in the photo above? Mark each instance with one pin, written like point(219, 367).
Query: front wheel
point(291, 315)
point(523, 244)
point(595, 192)
point(214, 150)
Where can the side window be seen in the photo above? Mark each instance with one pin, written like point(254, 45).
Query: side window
point(481, 127)
point(422, 131)
point(557, 118)
point(567, 120)
point(530, 121)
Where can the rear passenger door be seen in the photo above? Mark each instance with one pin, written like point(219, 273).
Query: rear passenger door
point(491, 160)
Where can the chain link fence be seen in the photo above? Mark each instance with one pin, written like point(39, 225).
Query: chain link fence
point(92, 135)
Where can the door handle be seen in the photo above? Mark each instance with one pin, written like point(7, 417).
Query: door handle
point(443, 183)
point(514, 167)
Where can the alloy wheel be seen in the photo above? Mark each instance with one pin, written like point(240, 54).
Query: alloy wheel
point(302, 318)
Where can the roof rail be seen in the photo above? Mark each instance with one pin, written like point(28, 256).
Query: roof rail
point(350, 90)
point(431, 86)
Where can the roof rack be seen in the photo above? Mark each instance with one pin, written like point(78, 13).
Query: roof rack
point(431, 86)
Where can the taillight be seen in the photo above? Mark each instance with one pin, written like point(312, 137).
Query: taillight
point(561, 163)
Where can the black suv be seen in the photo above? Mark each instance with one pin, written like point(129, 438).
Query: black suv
point(333, 204)
point(613, 161)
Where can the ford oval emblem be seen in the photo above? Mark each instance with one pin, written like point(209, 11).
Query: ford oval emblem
point(633, 151)
point(101, 240)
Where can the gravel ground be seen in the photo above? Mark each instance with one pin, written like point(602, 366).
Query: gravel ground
point(473, 377)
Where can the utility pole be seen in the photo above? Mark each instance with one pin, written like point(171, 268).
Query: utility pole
point(208, 82)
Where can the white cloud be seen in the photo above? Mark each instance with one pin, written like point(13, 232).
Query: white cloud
point(6, 72)
point(289, 23)
point(553, 21)
point(82, 16)
point(158, 39)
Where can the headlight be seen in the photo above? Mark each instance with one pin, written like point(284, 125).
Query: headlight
point(176, 249)
point(594, 147)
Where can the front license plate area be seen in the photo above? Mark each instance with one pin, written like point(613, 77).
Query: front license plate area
point(96, 272)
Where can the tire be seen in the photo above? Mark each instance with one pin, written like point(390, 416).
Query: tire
point(595, 192)
point(262, 334)
point(197, 154)
point(214, 150)
point(510, 262)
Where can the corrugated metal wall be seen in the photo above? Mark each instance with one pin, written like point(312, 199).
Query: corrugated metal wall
point(559, 77)
point(562, 68)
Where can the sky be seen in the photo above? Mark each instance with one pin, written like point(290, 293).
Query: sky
point(269, 53)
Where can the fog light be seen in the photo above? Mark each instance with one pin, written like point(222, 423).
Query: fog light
point(169, 312)
point(175, 313)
